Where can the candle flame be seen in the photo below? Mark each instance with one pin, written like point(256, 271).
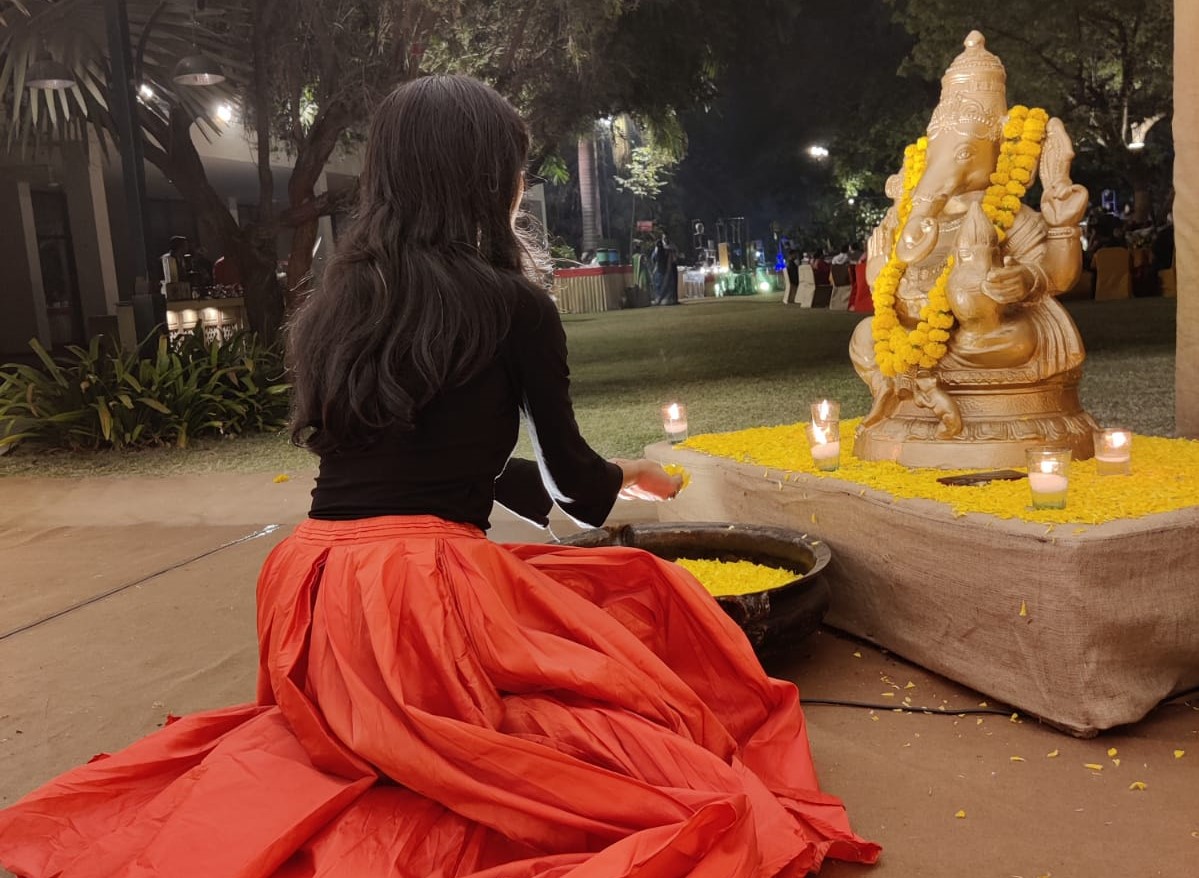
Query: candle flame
point(819, 434)
point(673, 411)
point(824, 409)
point(1047, 466)
point(1119, 440)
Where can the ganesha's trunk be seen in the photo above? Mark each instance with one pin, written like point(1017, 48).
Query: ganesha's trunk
point(918, 238)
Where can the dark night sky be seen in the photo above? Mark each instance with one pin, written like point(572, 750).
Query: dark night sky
point(815, 79)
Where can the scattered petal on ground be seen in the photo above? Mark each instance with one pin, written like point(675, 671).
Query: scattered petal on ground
point(910, 685)
point(1052, 754)
point(1178, 754)
point(1137, 785)
point(857, 655)
point(1016, 758)
point(1094, 766)
point(961, 815)
point(1112, 751)
point(1023, 608)
point(281, 478)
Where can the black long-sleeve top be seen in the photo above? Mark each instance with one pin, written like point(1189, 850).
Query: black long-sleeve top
point(449, 464)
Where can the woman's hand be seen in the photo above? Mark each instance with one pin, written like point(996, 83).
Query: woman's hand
point(646, 480)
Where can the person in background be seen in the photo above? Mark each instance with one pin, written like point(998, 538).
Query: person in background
point(820, 268)
point(175, 270)
point(668, 284)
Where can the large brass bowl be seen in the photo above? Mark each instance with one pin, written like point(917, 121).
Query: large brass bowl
point(774, 619)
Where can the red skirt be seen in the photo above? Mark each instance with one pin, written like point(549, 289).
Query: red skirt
point(434, 704)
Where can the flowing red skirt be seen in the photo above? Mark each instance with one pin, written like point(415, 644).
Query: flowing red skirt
point(434, 704)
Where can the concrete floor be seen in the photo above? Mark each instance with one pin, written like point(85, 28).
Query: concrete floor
point(124, 599)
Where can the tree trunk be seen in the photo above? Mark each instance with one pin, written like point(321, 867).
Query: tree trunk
point(589, 193)
point(253, 253)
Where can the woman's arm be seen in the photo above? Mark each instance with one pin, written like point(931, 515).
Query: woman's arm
point(582, 483)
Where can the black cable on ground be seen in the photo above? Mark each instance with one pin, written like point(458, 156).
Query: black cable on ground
point(905, 708)
point(128, 585)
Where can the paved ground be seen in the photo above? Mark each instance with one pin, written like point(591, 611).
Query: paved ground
point(123, 599)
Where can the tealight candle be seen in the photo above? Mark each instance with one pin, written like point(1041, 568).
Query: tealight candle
point(825, 442)
point(826, 410)
point(1113, 451)
point(1048, 477)
point(674, 422)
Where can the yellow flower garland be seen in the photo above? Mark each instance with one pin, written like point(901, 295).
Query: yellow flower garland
point(897, 349)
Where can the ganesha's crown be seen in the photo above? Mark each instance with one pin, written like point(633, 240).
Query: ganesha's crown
point(973, 94)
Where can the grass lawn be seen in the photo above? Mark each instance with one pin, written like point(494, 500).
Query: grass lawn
point(735, 363)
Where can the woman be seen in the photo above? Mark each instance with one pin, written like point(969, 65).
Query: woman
point(431, 703)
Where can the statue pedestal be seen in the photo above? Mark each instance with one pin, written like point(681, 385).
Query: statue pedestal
point(1000, 421)
point(1112, 623)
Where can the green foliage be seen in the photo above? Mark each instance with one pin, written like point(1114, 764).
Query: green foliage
point(649, 167)
point(553, 170)
point(94, 397)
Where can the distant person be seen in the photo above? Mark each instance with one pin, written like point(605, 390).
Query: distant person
point(668, 283)
point(841, 257)
point(200, 270)
point(821, 268)
point(657, 261)
point(175, 269)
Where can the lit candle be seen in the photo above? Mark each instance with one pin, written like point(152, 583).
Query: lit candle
point(825, 411)
point(1047, 477)
point(1113, 451)
point(825, 442)
point(674, 422)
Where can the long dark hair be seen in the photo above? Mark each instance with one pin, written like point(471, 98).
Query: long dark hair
point(418, 297)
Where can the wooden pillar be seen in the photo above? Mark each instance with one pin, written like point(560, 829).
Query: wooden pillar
point(1186, 214)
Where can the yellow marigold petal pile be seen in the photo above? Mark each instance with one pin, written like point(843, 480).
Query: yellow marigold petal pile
point(726, 578)
point(1163, 477)
point(673, 469)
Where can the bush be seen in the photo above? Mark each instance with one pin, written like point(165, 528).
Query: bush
point(97, 397)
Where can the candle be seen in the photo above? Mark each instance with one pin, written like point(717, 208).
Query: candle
point(1048, 478)
point(825, 442)
point(826, 410)
point(1113, 451)
point(674, 422)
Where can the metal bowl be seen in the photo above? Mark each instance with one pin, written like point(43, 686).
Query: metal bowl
point(773, 619)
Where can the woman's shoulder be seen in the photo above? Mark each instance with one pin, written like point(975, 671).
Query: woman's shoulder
point(532, 307)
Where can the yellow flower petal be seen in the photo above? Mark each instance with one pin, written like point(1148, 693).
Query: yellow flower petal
point(857, 655)
point(1137, 785)
point(1112, 751)
point(910, 685)
point(982, 704)
point(979, 721)
point(1052, 754)
point(1015, 758)
point(1094, 766)
point(281, 478)
point(1178, 754)
point(1014, 718)
point(874, 717)
point(888, 695)
point(961, 815)
point(1023, 608)
point(1116, 762)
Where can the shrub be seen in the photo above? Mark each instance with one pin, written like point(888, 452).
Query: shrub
point(99, 397)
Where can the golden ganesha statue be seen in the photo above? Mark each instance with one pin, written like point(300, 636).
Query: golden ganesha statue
point(969, 357)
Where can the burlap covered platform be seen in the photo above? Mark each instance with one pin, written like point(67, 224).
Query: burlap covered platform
point(1086, 628)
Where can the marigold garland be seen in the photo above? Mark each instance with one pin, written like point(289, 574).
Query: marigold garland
point(897, 349)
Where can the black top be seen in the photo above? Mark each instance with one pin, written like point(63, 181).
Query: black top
point(448, 466)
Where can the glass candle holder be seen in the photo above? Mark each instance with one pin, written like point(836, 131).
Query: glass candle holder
point(1048, 477)
point(824, 440)
point(826, 410)
point(674, 422)
point(1113, 451)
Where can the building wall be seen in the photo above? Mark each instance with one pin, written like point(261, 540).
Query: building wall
point(22, 299)
point(1186, 215)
